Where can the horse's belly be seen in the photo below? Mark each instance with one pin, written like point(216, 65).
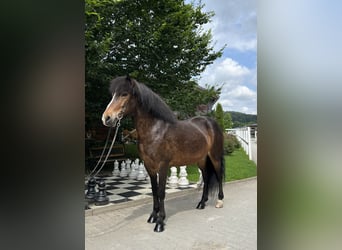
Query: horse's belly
point(181, 146)
point(189, 153)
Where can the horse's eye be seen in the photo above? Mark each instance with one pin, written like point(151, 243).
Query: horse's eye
point(124, 94)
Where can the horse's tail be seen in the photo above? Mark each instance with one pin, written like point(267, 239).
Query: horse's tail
point(223, 168)
point(211, 177)
point(216, 175)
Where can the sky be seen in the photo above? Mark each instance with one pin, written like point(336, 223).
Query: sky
point(234, 25)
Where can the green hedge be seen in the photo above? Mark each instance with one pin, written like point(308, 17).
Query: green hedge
point(131, 151)
point(230, 144)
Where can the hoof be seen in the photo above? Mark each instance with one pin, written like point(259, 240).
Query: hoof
point(219, 204)
point(152, 219)
point(159, 228)
point(200, 206)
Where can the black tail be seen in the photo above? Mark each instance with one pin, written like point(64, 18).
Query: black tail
point(223, 169)
point(214, 178)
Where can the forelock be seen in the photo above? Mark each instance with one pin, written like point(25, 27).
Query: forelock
point(119, 85)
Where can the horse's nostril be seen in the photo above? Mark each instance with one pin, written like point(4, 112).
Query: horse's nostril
point(106, 120)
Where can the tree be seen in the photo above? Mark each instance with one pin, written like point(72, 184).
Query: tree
point(219, 115)
point(227, 120)
point(160, 43)
point(240, 119)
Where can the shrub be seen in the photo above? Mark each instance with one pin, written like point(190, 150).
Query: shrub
point(228, 147)
point(230, 144)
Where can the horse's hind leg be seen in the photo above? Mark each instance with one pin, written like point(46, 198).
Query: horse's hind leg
point(202, 166)
point(219, 203)
point(219, 169)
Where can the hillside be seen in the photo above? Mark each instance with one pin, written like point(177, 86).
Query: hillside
point(241, 119)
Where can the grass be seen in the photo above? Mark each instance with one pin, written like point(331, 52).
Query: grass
point(238, 167)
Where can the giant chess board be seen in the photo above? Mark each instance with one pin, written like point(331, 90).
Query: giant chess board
point(123, 189)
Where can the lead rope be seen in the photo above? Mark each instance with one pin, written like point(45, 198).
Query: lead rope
point(104, 149)
point(110, 149)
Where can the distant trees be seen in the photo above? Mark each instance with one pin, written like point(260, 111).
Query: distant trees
point(232, 119)
point(241, 119)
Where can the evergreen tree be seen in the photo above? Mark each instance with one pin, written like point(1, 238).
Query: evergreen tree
point(219, 115)
point(227, 120)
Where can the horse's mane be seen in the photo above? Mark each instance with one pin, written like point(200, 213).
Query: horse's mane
point(152, 103)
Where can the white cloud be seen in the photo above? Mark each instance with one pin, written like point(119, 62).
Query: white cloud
point(245, 109)
point(235, 78)
point(225, 71)
point(239, 98)
point(231, 67)
point(234, 23)
point(243, 93)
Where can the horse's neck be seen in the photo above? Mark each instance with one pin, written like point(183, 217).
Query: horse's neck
point(144, 123)
point(143, 120)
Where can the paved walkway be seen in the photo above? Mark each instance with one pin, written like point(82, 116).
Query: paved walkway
point(232, 227)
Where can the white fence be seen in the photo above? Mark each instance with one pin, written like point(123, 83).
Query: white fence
point(244, 137)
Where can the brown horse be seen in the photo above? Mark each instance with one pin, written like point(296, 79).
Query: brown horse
point(164, 141)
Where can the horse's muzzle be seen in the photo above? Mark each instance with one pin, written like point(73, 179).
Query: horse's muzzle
point(109, 121)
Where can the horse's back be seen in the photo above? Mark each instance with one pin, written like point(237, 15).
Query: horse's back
point(206, 123)
point(214, 131)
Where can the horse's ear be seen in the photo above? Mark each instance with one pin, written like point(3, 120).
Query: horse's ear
point(133, 84)
point(130, 81)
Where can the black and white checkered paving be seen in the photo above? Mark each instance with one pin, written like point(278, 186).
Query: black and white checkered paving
point(123, 189)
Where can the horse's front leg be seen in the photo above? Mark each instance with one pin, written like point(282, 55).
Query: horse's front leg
point(161, 195)
point(154, 214)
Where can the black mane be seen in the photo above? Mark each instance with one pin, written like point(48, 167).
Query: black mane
point(149, 101)
point(153, 104)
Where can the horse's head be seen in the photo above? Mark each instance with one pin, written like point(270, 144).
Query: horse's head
point(122, 102)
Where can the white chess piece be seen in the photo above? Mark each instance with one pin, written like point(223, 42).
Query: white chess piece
point(173, 179)
point(123, 172)
point(136, 162)
point(116, 171)
point(141, 175)
point(128, 166)
point(134, 173)
point(183, 181)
